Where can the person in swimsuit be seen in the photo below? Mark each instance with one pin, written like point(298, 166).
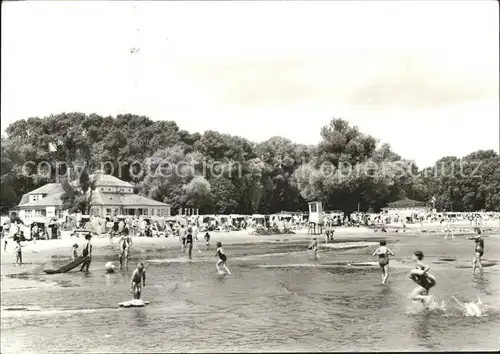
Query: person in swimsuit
point(87, 252)
point(124, 249)
point(314, 247)
point(478, 251)
point(421, 276)
point(383, 253)
point(19, 251)
point(449, 230)
point(182, 237)
point(221, 262)
point(138, 280)
point(189, 242)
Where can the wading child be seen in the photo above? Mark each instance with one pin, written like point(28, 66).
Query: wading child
point(189, 242)
point(421, 276)
point(19, 251)
point(87, 252)
point(124, 248)
point(138, 280)
point(74, 251)
point(221, 262)
point(383, 253)
point(314, 247)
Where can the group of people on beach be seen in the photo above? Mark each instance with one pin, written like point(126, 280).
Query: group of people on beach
point(420, 274)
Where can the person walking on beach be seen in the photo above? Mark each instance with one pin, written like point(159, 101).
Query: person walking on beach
point(138, 280)
point(314, 247)
point(383, 253)
point(87, 252)
point(478, 251)
point(221, 262)
point(421, 276)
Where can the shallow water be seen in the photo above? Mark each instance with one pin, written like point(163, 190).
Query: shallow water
point(277, 299)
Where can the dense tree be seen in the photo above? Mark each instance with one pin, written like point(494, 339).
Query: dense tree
point(220, 173)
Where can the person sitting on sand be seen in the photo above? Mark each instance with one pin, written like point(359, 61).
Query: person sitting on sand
point(383, 253)
point(138, 280)
point(421, 276)
point(74, 251)
point(478, 251)
point(87, 252)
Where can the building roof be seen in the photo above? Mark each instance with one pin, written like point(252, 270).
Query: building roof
point(133, 200)
point(111, 181)
point(406, 203)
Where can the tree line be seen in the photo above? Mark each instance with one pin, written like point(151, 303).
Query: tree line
point(220, 173)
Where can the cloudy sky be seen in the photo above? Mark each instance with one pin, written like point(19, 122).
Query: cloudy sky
point(422, 76)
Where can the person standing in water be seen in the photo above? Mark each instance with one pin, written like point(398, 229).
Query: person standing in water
point(189, 242)
point(124, 248)
point(314, 247)
point(87, 252)
point(383, 253)
point(421, 276)
point(478, 251)
point(74, 251)
point(138, 280)
point(221, 262)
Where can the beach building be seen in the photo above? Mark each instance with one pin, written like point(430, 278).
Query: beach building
point(407, 207)
point(111, 197)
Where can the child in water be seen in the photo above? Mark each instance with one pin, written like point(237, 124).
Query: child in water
point(207, 239)
point(421, 276)
point(222, 259)
point(383, 253)
point(74, 251)
point(138, 280)
point(314, 247)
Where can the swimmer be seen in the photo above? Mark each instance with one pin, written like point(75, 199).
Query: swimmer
point(138, 280)
point(314, 247)
point(478, 251)
point(383, 253)
point(422, 278)
point(124, 249)
point(222, 259)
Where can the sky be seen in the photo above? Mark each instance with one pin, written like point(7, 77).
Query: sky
point(421, 76)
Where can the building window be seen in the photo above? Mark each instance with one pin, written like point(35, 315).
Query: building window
point(158, 212)
point(108, 212)
point(28, 213)
point(102, 189)
point(38, 212)
point(95, 212)
point(109, 189)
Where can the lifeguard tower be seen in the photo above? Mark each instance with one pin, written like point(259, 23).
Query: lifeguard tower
point(315, 218)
